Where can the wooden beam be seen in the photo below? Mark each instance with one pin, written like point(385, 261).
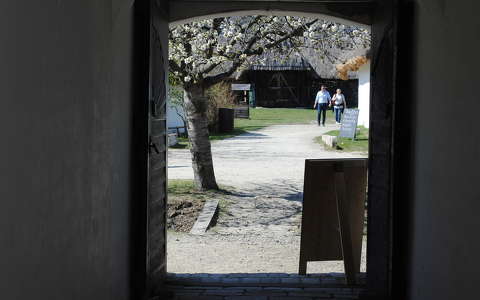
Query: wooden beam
point(285, 1)
point(343, 11)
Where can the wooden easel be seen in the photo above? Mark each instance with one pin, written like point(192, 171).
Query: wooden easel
point(333, 213)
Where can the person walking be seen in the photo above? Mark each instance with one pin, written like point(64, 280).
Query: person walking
point(339, 104)
point(321, 102)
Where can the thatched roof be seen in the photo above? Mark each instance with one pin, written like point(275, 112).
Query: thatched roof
point(326, 68)
point(308, 59)
point(351, 65)
point(281, 67)
point(294, 62)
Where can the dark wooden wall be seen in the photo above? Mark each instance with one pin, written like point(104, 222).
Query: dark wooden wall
point(303, 87)
point(157, 158)
point(294, 88)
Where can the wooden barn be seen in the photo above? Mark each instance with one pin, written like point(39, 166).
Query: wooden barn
point(293, 83)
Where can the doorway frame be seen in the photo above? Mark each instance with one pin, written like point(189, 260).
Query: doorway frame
point(382, 210)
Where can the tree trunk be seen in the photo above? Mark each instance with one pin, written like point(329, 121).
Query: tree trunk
point(195, 104)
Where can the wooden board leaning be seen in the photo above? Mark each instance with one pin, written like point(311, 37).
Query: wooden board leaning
point(333, 213)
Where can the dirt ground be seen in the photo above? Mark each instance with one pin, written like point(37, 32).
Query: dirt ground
point(258, 229)
point(182, 213)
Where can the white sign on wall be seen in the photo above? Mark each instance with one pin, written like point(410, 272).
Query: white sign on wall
point(240, 86)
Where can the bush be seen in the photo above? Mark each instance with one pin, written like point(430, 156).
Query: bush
point(219, 96)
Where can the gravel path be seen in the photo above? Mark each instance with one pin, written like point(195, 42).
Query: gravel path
point(259, 231)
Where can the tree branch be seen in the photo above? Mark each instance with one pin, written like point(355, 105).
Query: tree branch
point(211, 80)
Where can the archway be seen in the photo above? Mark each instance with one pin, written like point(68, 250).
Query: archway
point(381, 124)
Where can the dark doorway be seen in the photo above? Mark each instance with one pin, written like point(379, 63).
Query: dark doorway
point(381, 142)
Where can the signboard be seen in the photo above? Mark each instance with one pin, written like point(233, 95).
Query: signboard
point(333, 213)
point(349, 123)
point(242, 112)
point(240, 87)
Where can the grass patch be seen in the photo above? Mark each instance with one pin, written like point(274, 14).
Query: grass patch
point(180, 186)
point(185, 189)
point(263, 117)
point(360, 144)
point(182, 143)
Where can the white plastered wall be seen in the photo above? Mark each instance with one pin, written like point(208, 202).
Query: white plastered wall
point(173, 119)
point(364, 95)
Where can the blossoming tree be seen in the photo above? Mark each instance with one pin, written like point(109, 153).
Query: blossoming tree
point(206, 52)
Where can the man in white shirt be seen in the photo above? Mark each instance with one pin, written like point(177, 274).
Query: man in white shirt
point(321, 102)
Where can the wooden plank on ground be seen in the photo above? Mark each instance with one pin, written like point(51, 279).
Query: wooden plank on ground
point(205, 217)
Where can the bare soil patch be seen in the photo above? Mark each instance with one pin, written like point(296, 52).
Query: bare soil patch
point(182, 213)
point(185, 203)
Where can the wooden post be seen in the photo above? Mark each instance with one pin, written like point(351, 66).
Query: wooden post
point(302, 267)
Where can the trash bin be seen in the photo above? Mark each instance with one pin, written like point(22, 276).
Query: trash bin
point(225, 119)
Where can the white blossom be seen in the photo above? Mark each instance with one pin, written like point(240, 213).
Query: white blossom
point(197, 48)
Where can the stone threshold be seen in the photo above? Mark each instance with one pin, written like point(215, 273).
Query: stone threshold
point(262, 286)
